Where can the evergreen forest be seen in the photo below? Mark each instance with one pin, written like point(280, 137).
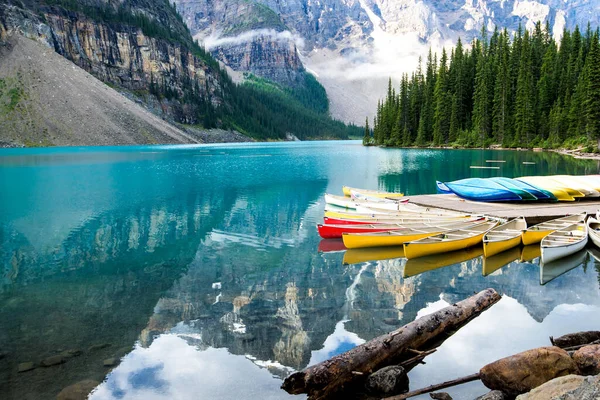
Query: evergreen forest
point(521, 90)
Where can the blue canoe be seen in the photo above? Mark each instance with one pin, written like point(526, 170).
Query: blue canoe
point(478, 189)
point(507, 183)
point(442, 188)
point(541, 194)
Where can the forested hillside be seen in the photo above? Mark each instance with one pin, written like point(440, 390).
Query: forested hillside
point(525, 91)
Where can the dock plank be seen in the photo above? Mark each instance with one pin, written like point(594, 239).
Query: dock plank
point(534, 212)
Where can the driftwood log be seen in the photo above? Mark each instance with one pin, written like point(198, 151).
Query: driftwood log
point(575, 339)
point(331, 376)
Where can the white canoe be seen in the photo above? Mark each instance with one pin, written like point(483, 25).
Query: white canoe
point(564, 242)
point(594, 230)
point(345, 202)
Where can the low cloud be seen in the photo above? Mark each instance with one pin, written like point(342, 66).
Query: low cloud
point(216, 40)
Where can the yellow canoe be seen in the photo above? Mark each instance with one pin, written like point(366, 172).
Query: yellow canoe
point(399, 237)
point(576, 184)
point(449, 241)
point(504, 237)
point(357, 256)
point(371, 193)
point(536, 233)
point(417, 266)
point(530, 252)
point(495, 262)
point(559, 191)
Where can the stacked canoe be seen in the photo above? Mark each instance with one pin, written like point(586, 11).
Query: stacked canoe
point(372, 219)
point(524, 189)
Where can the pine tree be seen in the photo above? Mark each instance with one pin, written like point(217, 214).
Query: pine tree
point(592, 100)
point(482, 113)
point(524, 111)
point(367, 136)
point(441, 124)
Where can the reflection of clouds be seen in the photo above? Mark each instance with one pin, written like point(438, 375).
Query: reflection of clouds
point(503, 330)
point(172, 369)
point(338, 342)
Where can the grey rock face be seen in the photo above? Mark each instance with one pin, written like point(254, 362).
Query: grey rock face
point(493, 395)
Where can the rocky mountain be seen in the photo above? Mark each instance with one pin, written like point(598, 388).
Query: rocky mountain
point(353, 46)
point(143, 49)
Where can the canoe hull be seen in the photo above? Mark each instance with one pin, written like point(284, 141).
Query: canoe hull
point(496, 247)
point(416, 249)
point(553, 253)
point(533, 237)
point(592, 232)
point(362, 241)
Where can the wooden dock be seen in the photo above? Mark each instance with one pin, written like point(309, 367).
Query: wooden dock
point(534, 212)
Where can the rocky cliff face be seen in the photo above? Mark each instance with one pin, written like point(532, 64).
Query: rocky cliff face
point(119, 53)
point(246, 36)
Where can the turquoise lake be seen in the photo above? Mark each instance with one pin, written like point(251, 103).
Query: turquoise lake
point(194, 272)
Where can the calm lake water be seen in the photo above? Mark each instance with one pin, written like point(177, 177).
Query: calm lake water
point(197, 267)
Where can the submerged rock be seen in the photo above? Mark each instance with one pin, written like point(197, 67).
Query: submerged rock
point(388, 381)
point(26, 366)
point(525, 371)
point(78, 391)
point(111, 362)
point(588, 359)
point(99, 346)
point(53, 360)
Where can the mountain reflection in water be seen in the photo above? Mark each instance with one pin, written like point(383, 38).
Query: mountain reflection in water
point(203, 274)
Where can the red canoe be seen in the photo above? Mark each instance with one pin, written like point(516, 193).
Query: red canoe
point(335, 231)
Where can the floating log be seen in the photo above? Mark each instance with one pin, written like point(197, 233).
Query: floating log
point(331, 376)
point(482, 167)
point(575, 339)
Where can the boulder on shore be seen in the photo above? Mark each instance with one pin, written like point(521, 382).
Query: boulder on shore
point(525, 371)
point(570, 387)
point(588, 359)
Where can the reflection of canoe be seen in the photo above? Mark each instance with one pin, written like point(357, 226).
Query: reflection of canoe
point(448, 241)
point(504, 237)
point(530, 252)
point(495, 262)
point(331, 245)
point(356, 256)
point(478, 189)
point(535, 233)
point(539, 193)
point(372, 193)
point(336, 231)
point(595, 253)
point(399, 237)
point(423, 264)
point(551, 270)
point(594, 230)
point(564, 242)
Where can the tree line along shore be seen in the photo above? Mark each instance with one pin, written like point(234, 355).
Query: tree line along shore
point(523, 91)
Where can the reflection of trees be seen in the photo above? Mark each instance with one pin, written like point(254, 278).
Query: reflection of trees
point(415, 170)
